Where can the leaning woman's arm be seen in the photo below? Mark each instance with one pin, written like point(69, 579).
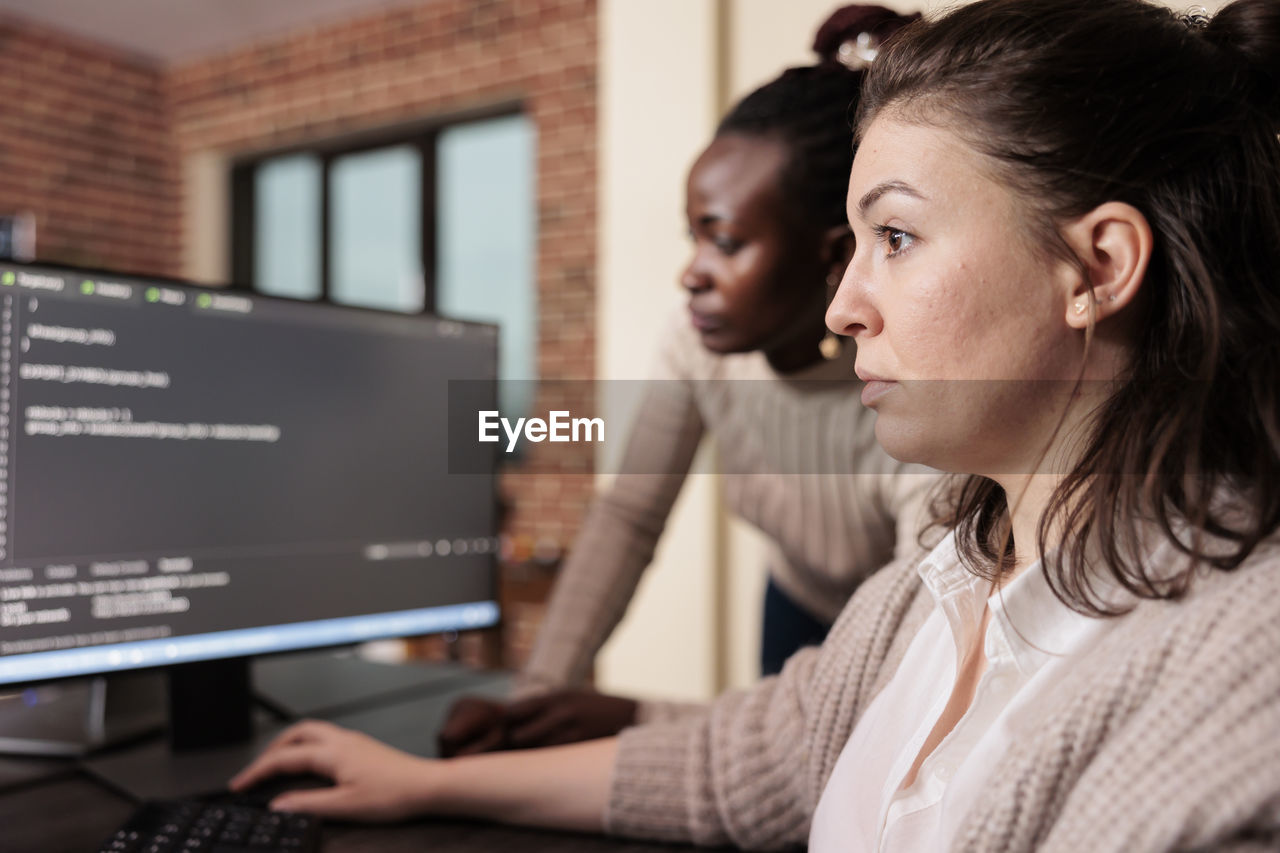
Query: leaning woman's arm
point(621, 530)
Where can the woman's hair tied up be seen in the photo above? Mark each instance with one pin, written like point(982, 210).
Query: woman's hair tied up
point(853, 35)
point(1249, 32)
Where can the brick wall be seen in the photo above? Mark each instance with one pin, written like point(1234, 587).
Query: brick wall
point(87, 146)
point(440, 58)
point(97, 143)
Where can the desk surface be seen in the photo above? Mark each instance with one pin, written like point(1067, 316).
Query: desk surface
point(74, 815)
point(57, 807)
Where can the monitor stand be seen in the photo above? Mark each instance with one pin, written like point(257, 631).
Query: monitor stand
point(407, 721)
point(211, 735)
point(214, 731)
point(78, 717)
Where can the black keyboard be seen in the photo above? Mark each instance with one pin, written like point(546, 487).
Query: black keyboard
point(191, 826)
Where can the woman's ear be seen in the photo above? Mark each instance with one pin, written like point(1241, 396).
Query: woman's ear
point(1114, 243)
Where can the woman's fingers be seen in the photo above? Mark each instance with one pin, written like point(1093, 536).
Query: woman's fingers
point(307, 732)
point(290, 758)
point(337, 802)
point(493, 739)
point(540, 730)
point(522, 710)
point(473, 725)
point(566, 716)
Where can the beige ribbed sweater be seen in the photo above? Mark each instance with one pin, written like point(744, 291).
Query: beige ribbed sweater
point(1165, 736)
point(799, 460)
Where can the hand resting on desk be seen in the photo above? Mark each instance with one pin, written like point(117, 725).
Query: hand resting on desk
point(564, 787)
point(478, 725)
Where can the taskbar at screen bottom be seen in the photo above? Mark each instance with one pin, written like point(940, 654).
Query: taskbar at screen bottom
point(168, 651)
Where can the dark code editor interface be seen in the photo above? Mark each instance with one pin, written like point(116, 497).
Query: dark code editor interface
point(176, 462)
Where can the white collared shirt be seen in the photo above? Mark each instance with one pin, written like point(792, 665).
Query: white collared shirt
point(1030, 637)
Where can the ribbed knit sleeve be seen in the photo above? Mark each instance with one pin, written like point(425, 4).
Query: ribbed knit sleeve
point(657, 711)
point(732, 775)
point(750, 769)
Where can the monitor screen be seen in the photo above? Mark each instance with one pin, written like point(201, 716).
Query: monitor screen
point(192, 474)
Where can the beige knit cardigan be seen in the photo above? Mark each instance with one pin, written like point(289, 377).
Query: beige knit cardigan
point(1164, 736)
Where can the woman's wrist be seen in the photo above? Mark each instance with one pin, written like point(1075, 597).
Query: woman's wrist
point(563, 787)
point(434, 777)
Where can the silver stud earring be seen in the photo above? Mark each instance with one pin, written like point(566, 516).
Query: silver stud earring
point(1080, 307)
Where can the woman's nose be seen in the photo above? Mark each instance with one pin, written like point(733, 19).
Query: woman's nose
point(694, 278)
point(851, 311)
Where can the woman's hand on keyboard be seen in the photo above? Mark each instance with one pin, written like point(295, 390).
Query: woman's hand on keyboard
point(562, 787)
point(372, 781)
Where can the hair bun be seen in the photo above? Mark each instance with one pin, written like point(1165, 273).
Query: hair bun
point(1250, 29)
point(847, 23)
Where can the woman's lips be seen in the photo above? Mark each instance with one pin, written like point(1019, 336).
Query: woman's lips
point(704, 322)
point(875, 389)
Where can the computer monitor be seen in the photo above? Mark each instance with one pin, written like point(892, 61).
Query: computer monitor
point(193, 476)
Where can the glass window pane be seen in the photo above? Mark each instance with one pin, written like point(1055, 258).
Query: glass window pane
point(487, 223)
point(375, 221)
point(286, 221)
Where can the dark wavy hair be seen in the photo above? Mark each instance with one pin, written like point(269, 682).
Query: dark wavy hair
point(1077, 104)
point(810, 110)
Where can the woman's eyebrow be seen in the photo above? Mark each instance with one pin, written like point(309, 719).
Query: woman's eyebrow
point(713, 217)
point(874, 194)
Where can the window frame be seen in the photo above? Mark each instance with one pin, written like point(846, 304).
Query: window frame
point(421, 134)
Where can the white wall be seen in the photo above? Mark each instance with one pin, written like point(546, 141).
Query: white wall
point(206, 206)
point(658, 107)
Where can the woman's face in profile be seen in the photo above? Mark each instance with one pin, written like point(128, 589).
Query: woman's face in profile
point(755, 279)
point(959, 317)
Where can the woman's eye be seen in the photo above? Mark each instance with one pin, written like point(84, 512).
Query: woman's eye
point(895, 239)
point(727, 245)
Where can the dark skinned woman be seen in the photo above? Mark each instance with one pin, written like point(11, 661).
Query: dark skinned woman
point(752, 365)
